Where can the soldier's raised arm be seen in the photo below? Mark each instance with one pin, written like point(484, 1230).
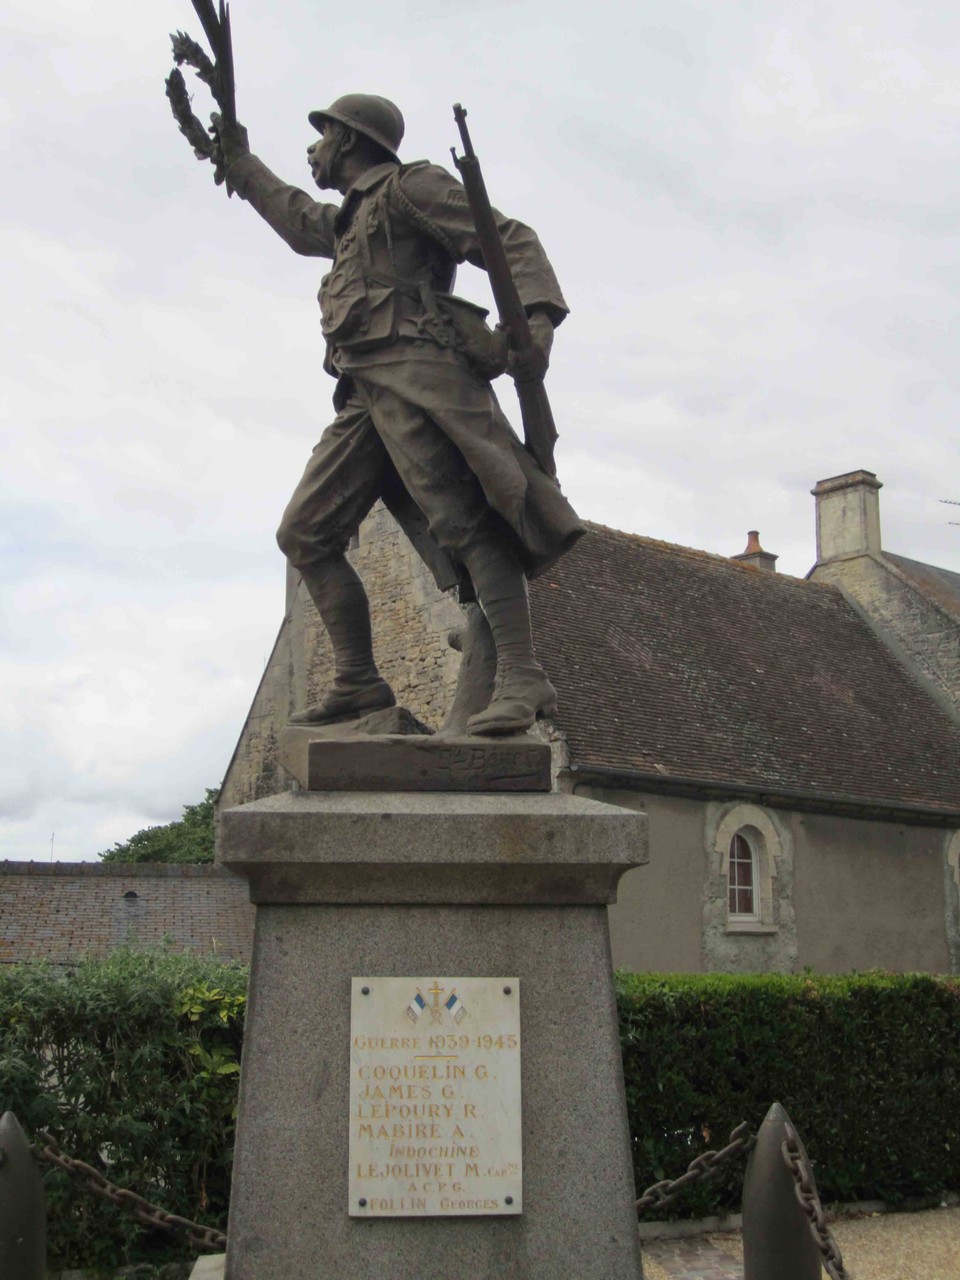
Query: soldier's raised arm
point(304, 223)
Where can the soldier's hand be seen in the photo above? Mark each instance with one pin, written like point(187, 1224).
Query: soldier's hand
point(530, 366)
point(229, 142)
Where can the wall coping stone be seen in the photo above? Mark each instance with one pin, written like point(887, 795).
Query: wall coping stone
point(118, 870)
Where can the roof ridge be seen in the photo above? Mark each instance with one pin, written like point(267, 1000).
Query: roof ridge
point(923, 564)
point(921, 582)
point(696, 553)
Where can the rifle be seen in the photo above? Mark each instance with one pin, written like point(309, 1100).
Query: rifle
point(539, 432)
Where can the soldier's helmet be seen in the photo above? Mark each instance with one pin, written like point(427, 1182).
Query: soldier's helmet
point(376, 118)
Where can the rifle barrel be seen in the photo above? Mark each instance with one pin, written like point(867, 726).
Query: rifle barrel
point(460, 115)
point(538, 426)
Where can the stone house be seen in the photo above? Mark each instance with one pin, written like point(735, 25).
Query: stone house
point(915, 607)
point(795, 743)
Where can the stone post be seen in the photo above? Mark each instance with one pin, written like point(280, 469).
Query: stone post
point(352, 884)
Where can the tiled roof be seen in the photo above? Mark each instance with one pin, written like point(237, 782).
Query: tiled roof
point(679, 665)
point(62, 911)
point(941, 585)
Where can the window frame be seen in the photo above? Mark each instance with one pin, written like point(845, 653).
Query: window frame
point(755, 916)
point(765, 841)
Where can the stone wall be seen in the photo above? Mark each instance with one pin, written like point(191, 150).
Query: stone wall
point(411, 619)
point(847, 893)
point(921, 632)
point(870, 895)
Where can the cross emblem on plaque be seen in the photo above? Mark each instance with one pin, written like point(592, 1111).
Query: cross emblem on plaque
point(436, 1013)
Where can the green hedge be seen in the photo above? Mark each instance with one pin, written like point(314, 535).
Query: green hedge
point(131, 1065)
point(867, 1066)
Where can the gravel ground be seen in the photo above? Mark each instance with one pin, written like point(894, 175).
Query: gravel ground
point(652, 1270)
point(887, 1246)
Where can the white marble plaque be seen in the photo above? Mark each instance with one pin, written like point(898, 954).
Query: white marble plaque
point(435, 1097)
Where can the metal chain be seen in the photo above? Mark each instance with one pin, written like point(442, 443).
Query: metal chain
point(150, 1214)
point(806, 1192)
point(704, 1166)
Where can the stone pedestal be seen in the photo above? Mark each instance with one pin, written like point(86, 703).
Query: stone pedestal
point(350, 884)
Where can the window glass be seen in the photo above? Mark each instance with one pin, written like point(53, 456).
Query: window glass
point(742, 877)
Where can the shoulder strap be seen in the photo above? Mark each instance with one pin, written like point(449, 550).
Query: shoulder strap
point(420, 220)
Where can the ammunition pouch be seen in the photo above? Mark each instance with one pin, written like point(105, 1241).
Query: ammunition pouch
point(483, 348)
point(447, 321)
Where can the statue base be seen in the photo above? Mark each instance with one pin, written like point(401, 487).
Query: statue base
point(412, 762)
point(356, 884)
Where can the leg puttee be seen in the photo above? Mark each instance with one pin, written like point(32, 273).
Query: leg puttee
point(522, 691)
point(342, 603)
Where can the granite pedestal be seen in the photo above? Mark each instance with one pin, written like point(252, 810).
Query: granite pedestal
point(395, 884)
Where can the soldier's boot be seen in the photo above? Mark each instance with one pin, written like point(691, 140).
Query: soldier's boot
point(521, 692)
point(358, 686)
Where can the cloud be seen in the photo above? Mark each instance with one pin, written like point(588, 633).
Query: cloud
point(754, 217)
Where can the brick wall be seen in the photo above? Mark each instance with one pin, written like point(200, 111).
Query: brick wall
point(61, 911)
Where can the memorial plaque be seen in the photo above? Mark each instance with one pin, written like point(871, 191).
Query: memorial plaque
point(435, 1097)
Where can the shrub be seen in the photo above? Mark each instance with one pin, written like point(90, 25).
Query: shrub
point(867, 1066)
point(130, 1063)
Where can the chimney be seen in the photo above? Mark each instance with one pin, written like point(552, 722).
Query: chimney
point(848, 516)
point(755, 556)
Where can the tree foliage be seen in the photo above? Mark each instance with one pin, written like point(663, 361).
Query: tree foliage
point(188, 839)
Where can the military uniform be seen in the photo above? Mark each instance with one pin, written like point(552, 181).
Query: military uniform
point(418, 423)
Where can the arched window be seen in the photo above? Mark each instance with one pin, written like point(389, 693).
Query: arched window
point(743, 878)
point(747, 845)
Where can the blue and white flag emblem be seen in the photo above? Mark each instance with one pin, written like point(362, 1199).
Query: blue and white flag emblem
point(455, 1007)
point(416, 1007)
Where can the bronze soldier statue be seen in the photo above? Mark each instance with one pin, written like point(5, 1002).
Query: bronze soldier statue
point(418, 424)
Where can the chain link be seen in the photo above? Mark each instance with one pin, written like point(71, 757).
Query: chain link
point(704, 1166)
point(806, 1192)
point(149, 1214)
point(657, 1196)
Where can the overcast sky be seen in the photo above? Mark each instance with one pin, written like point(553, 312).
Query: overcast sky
point(753, 208)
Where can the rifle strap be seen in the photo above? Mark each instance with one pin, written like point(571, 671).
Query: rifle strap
point(421, 220)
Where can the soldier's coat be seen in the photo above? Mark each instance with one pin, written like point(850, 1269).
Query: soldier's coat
point(403, 377)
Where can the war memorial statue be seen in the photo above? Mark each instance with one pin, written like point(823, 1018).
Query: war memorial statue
point(417, 423)
point(411, 864)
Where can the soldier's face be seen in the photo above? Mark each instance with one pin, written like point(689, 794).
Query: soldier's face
point(322, 157)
